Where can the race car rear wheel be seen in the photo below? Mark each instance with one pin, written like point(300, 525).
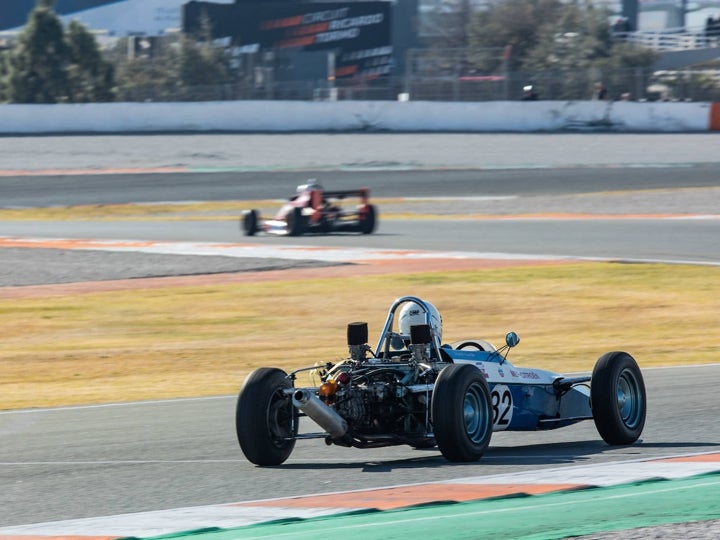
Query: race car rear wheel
point(295, 222)
point(367, 224)
point(250, 221)
point(617, 398)
point(266, 421)
point(462, 413)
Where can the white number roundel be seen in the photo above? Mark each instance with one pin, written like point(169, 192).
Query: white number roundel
point(502, 405)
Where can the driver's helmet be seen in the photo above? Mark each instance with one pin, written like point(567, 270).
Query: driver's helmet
point(312, 183)
point(412, 313)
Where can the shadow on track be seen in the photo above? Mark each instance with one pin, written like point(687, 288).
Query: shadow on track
point(562, 453)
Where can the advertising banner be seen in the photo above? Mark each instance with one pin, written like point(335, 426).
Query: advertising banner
point(358, 32)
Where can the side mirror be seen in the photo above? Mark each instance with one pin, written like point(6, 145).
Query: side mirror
point(512, 339)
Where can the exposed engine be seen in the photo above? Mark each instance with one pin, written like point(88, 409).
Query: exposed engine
point(379, 400)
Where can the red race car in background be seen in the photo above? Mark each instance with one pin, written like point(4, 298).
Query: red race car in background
point(315, 210)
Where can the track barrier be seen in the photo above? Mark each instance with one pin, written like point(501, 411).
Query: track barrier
point(361, 116)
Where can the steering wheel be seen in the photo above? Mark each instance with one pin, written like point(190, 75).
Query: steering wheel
point(470, 345)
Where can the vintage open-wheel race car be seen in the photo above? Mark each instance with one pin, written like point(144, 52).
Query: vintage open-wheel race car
point(413, 390)
point(314, 210)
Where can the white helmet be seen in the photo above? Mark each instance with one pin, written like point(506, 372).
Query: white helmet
point(412, 314)
point(312, 183)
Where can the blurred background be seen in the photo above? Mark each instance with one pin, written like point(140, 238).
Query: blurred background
point(451, 50)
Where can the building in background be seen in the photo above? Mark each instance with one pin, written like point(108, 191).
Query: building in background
point(117, 18)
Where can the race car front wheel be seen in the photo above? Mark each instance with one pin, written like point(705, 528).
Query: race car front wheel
point(617, 398)
point(295, 222)
point(266, 421)
point(462, 413)
point(250, 221)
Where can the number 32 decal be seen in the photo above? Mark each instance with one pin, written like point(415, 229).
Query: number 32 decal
point(502, 407)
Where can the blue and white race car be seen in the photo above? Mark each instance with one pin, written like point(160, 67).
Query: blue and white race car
point(412, 390)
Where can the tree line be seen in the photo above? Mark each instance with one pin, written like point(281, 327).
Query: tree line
point(53, 64)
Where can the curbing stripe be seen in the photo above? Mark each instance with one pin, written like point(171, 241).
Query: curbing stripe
point(358, 255)
point(294, 252)
point(403, 496)
point(712, 458)
point(541, 481)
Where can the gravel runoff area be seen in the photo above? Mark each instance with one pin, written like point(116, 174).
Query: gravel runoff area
point(699, 530)
point(38, 266)
point(360, 150)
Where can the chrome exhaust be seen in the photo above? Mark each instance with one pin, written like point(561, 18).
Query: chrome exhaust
point(323, 415)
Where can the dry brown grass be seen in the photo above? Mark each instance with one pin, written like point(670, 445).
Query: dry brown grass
point(199, 341)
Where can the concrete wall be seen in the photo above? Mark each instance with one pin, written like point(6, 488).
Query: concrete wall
point(410, 116)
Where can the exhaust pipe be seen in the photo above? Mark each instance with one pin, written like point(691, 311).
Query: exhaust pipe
point(319, 412)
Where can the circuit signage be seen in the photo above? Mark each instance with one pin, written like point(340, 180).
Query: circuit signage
point(358, 32)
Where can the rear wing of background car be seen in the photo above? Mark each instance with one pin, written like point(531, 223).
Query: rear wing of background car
point(362, 193)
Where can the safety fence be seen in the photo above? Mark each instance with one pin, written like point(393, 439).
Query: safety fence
point(638, 84)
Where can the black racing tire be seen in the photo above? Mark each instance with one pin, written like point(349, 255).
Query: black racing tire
point(266, 421)
point(462, 413)
point(618, 398)
point(250, 220)
point(295, 222)
point(369, 222)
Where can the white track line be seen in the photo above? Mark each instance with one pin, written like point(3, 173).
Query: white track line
point(306, 252)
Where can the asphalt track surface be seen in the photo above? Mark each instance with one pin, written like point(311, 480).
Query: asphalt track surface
point(636, 213)
point(622, 239)
point(90, 461)
point(69, 463)
point(53, 190)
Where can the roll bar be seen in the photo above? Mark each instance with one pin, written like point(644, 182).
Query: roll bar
point(435, 345)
